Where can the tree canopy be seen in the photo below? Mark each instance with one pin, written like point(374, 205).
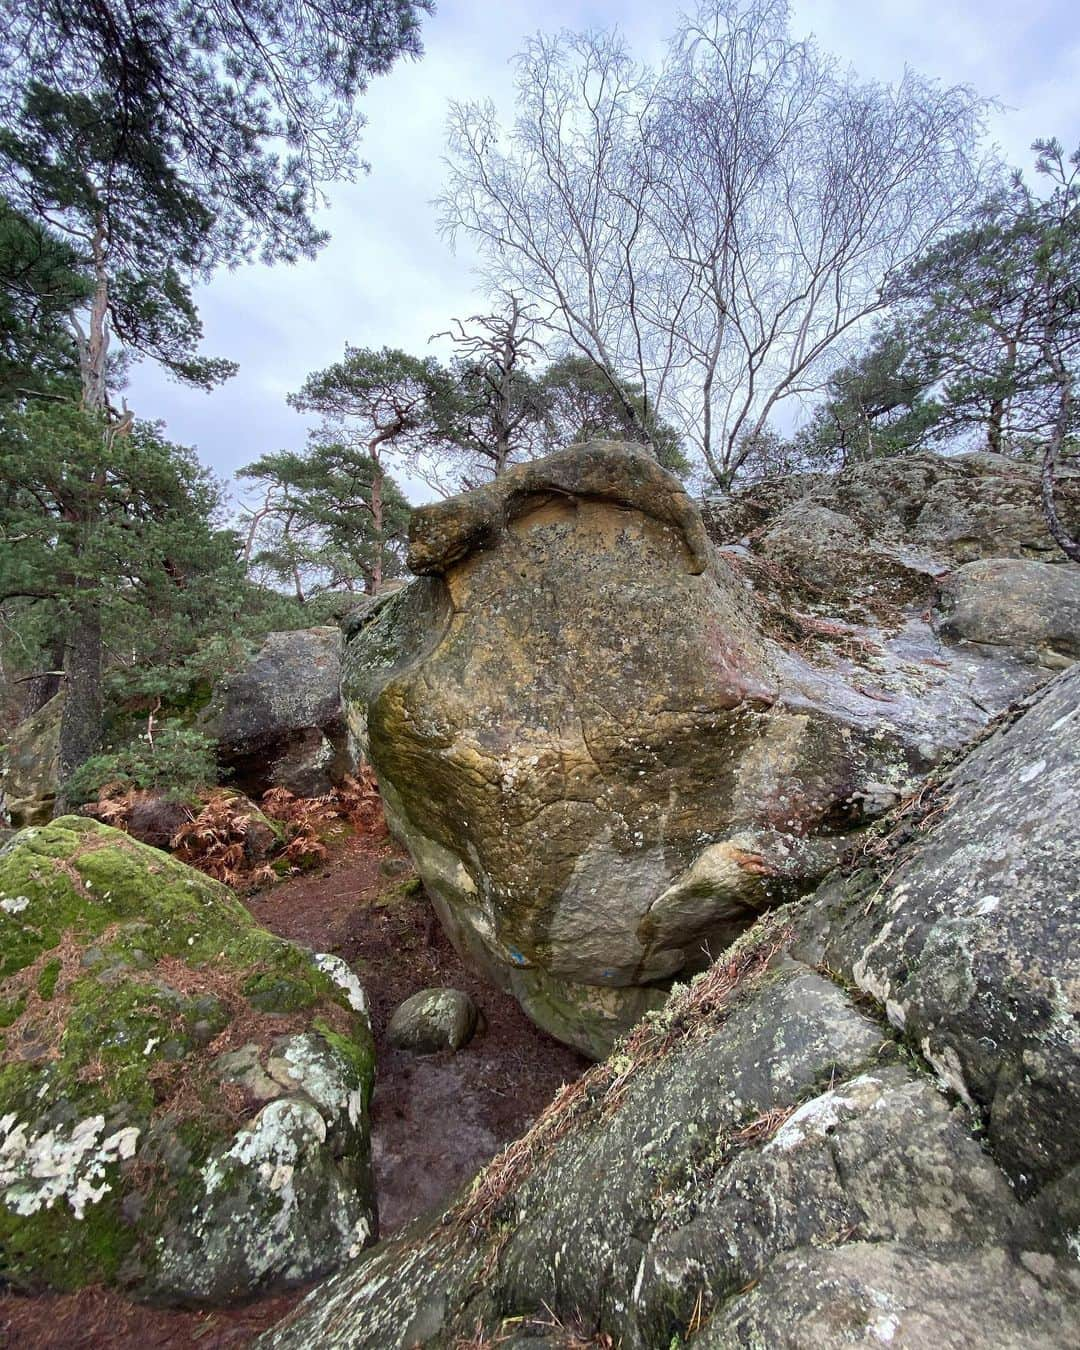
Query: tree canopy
point(994, 308)
point(111, 541)
point(714, 230)
point(250, 104)
point(144, 143)
point(315, 527)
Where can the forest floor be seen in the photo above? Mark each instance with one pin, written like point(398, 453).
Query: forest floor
point(435, 1120)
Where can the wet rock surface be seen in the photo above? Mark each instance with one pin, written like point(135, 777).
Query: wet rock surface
point(183, 1096)
point(278, 720)
point(609, 745)
point(807, 1146)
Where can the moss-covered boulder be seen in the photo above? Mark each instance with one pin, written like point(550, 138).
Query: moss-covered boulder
point(183, 1096)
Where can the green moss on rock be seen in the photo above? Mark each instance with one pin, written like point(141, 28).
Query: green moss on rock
point(125, 975)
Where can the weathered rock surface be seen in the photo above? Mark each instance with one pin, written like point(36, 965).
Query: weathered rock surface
point(959, 508)
point(881, 1293)
point(29, 768)
point(433, 1020)
point(972, 943)
point(1033, 607)
point(810, 1145)
point(278, 721)
point(183, 1096)
point(609, 746)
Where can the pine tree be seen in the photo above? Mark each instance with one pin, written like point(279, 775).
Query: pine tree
point(316, 528)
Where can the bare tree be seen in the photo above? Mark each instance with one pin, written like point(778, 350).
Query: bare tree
point(715, 231)
point(494, 410)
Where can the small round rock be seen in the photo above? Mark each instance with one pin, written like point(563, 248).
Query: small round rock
point(433, 1020)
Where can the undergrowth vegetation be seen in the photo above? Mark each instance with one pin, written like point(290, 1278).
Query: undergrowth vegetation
point(176, 759)
point(244, 845)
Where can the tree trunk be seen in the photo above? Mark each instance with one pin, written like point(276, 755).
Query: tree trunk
point(298, 585)
point(1068, 545)
point(80, 725)
point(92, 343)
point(993, 428)
point(995, 431)
point(377, 522)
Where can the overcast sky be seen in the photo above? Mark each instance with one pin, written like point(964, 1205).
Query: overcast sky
point(386, 278)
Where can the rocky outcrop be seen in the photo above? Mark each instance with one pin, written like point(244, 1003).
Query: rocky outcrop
point(848, 535)
point(29, 767)
point(859, 1127)
point(610, 746)
point(278, 720)
point(183, 1096)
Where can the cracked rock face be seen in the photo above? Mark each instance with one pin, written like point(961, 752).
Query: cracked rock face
point(602, 758)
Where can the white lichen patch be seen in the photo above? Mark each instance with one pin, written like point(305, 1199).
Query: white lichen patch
point(336, 969)
point(896, 1013)
point(36, 1171)
point(322, 1076)
point(14, 904)
point(822, 1113)
point(946, 1064)
point(361, 1237)
point(884, 1328)
point(282, 1135)
point(257, 1213)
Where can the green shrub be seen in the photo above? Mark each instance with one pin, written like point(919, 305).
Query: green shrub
point(179, 761)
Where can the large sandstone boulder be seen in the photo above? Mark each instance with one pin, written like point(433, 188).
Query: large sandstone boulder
point(603, 756)
point(575, 725)
point(183, 1096)
point(30, 768)
point(278, 720)
point(860, 1127)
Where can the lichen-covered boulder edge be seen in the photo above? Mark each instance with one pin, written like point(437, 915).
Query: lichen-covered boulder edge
point(30, 768)
point(183, 1096)
point(860, 1127)
point(604, 761)
point(278, 720)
